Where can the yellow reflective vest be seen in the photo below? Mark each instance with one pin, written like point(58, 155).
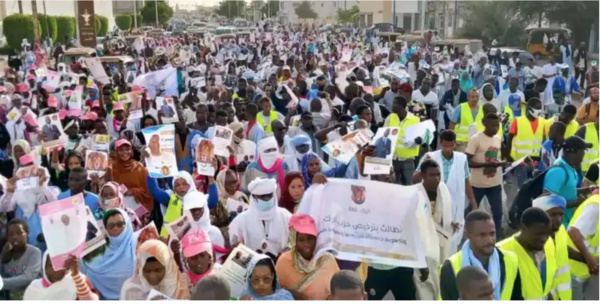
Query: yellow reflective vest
point(572, 127)
point(511, 269)
point(591, 155)
point(531, 281)
point(466, 120)
point(266, 125)
point(525, 141)
point(403, 152)
point(579, 269)
point(511, 115)
point(174, 212)
point(562, 279)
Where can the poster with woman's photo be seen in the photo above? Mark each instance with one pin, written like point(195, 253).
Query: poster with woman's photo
point(180, 227)
point(222, 140)
point(385, 145)
point(160, 158)
point(51, 128)
point(166, 106)
point(96, 162)
point(95, 236)
point(235, 268)
point(204, 157)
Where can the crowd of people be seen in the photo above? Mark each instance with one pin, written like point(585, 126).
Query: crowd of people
point(512, 167)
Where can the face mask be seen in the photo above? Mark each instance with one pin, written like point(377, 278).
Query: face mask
point(237, 140)
point(110, 203)
point(269, 159)
point(535, 113)
point(299, 155)
point(265, 205)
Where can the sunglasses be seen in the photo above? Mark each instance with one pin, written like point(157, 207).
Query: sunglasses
point(111, 226)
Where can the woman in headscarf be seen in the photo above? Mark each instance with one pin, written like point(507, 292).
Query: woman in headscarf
point(25, 202)
point(111, 197)
point(264, 225)
point(311, 165)
point(293, 191)
point(228, 182)
point(262, 283)
point(147, 121)
point(67, 284)
point(197, 256)
point(195, 203)
point(9, 166)
point(269, 164)
point(486, 95)
point(59, 174)
point(466, 83)
point(131, 173)
point(299, 270)
point(237, 142)
point(108, 267)
point(183, 183)
point(300, 146)
point(155, 269)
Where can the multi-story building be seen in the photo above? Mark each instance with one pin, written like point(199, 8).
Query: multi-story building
point(443, 16)
point(326, 10)
point(126, 6)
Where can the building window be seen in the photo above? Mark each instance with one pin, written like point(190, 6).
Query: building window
point(369, 19)
point(417, 22)
point(407, 22)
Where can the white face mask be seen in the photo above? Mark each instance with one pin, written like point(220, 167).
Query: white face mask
point(535, 113)
point(269, 159)
point(299, 155)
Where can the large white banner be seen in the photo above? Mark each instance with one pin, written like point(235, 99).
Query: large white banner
point(362, 220)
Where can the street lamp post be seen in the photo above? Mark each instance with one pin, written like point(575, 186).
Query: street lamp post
point(156, 12)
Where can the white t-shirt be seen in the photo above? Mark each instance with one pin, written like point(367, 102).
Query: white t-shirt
point(431, 99)
point(549, 69)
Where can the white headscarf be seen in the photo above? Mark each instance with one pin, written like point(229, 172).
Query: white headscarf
point(188, 178)
point(64, 289)
point(268, 159)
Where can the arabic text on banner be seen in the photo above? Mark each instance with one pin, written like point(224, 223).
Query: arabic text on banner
point(366, 220)
point(161, 160)
point(64, 224)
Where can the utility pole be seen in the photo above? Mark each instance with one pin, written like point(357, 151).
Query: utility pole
point(134, 13)
point(20, 3)
point(36, 29)
point(156, 11)
point(394, 14)
point(423, 14)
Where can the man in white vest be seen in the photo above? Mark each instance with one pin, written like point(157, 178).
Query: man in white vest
point(453, 164)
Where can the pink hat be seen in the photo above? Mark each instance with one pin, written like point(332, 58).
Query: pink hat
point(22, 87)
point(90, 116)
point(195, 242)
point(121, 142)
point(118, 107)
point(30, 76)
point(68, 93)
point(137, 88)
point(26, 159)
point(96, 104)
point(32, 67)
point(2, 89)
point(62, 114)
point(303, 223)
point(52, 101)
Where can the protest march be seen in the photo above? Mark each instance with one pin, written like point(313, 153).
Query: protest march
point(290, 162)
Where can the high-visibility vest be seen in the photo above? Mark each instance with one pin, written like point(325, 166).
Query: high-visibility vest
point(403, 152)
point(572, 127)
point(267, 126)
point(531, 281)
point(525, 141)
point(511, 115)
point(511, 267)
point(562, 279)
point(466, 120)
point(591, 155)
point(579, 269)
point(174, 212)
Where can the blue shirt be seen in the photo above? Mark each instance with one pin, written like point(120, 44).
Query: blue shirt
point(562, 180)
point(90, 199)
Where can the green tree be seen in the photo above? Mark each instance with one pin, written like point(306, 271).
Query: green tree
point(123, 22)
point(348, 16)
point(18, 27)
point(103, 25)
point(48, 25)
point(270, 8)
point(138, 19)
point(231, 8)
point(97, 25)
point(65, 26)
point(489, 20)
point(165, 12)
point(305, 11)
point(578, 16)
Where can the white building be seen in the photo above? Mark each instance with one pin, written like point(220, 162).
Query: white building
point(56, 8)
point(326, 10)
point(126, 6)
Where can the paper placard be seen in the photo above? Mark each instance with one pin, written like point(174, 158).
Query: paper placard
point(179, 228)
point(167, 108)
point(222, 140)
point(95, 234)
point(64, 224)
point(246, 152)
point(385, 145)
point(346, 147)
point(52, 128)
point(96, 162)
point(155, 295)
point(235, 268)
point(161, 161)
point(101, 142)
point(27, 178)
point(204, 157)
point(236, 206)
